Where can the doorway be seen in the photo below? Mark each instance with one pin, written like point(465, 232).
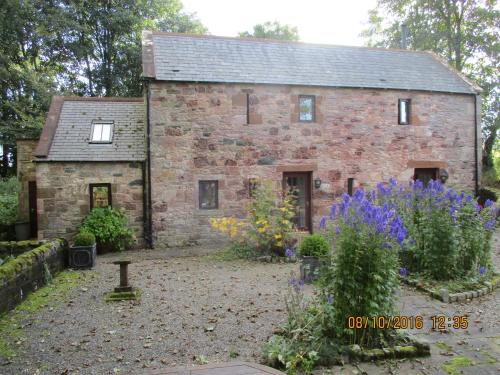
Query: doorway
point(32, 209)
point(299, 183)
point(426, 174)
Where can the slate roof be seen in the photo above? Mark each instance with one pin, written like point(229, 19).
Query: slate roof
point(178, 57)
point(66, 133)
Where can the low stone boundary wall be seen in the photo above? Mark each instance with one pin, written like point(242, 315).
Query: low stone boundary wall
point(28, 271)
point(16, 248)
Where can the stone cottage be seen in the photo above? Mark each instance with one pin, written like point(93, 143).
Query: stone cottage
point(219, 112)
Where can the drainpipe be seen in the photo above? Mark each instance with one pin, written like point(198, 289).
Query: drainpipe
point(476, 161)
point(149, 225)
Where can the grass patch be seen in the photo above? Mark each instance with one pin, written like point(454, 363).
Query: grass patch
point(488, 357)
point(235, 251)
point(134, 295)
point(445, 347)
point(11, 323)
point(451, 367)
point(455, 286)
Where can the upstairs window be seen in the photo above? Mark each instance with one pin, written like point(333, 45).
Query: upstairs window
point(102, 132)
point(404, 111)
point(209, 195)
point(306, 108)
point(100, 195)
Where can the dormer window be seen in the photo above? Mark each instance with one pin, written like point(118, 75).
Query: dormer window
point(102, 132)
point(404, 111)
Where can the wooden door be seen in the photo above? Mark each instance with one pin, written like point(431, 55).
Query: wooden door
point(426, 174)
point(299, 183)
point(32, 209)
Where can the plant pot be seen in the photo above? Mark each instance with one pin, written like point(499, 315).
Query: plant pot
point(104, 247)
point(82, 256)
point(22, 229)
point(309, 268)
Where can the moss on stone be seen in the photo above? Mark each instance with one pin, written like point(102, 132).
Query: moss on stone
point(50, 295)
point(10, 269)
point(451, 367)
point(134, 295)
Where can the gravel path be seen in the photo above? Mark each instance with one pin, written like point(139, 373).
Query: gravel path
point(219, 311)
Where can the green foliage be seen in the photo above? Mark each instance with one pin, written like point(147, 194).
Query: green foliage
point(365, 282)
point(84, 238)
point(306, 338)
point(109, 226)
point(8, 200)
point(314, 245)
point(272, 30)
point(269, 224)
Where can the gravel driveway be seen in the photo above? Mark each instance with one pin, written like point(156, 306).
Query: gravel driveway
point(197, 308)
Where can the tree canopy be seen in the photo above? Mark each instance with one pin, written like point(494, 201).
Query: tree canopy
point(272, 30)
point(78, 47)
point(464, 32)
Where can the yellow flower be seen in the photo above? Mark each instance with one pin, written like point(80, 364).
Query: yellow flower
point(261, 230)
point(279, 243)
point(277, 236)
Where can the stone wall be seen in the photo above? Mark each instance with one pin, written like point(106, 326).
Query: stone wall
point(200, 131)
point(25, 173)
point(63, 198)
point(27, 272)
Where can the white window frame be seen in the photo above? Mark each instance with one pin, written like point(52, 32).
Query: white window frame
point(101, 124)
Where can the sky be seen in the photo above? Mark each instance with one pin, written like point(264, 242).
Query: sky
point(318, 21)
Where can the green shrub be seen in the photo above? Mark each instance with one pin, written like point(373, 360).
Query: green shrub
point(84, 238)
point(109, 226)
point(9, 188)
point(314, 245)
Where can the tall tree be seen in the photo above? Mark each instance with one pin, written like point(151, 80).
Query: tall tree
point(82, 47)
point(464, 32)
point(272, 30)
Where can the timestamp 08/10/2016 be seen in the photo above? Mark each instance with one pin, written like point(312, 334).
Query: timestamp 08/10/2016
point(439, 322)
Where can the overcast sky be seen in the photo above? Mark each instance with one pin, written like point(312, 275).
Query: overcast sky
point(318, 21)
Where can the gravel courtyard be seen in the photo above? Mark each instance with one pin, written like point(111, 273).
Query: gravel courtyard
point(198, 309)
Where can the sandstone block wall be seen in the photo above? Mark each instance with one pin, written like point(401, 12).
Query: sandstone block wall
point(63, 198)
point(200, 131)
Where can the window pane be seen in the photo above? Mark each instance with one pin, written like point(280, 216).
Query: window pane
point(306, 105)
point(106, 132)
point(208, 194)
point(100, 196)
point(97, 133)
point(402, 112)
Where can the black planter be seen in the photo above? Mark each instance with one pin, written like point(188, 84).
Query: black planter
point(22, 230)
point(309, 268)
point(82, 256)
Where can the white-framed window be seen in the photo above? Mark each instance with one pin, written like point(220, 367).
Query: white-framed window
point(102, 132)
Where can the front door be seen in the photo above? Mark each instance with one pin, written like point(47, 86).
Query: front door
point(32, 208)
point(299, 183)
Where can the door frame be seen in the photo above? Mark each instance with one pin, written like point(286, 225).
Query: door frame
point(32, 209)
point(307, 194)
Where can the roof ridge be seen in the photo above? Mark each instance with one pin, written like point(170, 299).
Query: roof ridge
point(280, 41)
point(102, 98)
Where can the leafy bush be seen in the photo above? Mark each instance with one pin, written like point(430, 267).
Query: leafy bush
point(8, 200)
point(314, 245)
point(306, 338)
point(366, 265)
point(449, 234)
point(484, 194)
point(109, 226)
point(268, 225)
point(84, 238)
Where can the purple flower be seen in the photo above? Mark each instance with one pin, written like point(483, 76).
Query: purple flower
point(403, 272)
point(337, 230)
point(333, 211)
point(322, 223)
point(482, 270)
point(329, 299)
point(488, 203)
point(289, 252)
point(490, 224)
